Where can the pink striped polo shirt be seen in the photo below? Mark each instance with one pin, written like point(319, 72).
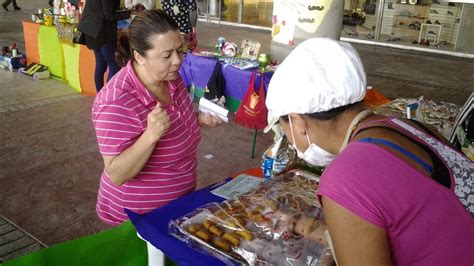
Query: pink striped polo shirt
point(119, 115)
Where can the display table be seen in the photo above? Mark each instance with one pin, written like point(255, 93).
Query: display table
point(153, 226)
point(117, 246)
point(72, 63)
point(197, 70)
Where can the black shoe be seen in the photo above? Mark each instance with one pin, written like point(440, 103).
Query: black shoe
point(450, 13)
point(434, 11)
point(415, 42)
point(17, 8)
point(5, 6)
point(50, 3)
point(437, 22)
point(432, 32)
point(428, 21)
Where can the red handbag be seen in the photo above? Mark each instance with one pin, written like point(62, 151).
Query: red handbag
point(252, 112)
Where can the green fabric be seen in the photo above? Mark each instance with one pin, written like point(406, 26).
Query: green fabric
point(71, 66)
point(117, 246)
point(50, 51)
point(232, 103)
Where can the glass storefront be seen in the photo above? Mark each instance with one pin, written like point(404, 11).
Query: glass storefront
point(432, 24)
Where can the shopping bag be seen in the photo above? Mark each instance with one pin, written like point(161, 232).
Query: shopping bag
point(252, 112)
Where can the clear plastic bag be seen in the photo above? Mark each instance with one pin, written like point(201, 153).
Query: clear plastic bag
point(280, 221)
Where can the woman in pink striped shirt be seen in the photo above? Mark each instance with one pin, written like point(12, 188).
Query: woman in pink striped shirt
point(147, 130)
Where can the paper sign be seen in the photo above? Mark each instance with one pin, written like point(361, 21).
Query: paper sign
point(209, 107)
point(237, 187)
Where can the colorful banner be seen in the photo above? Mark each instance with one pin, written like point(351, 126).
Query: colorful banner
point(30, 33)
point(71, 66)
point(51, 51)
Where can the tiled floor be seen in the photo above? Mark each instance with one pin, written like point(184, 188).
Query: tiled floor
point(49, 163)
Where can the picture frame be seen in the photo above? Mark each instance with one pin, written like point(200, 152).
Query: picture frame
point(250, 49)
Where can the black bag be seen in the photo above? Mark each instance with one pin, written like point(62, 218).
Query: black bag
point(369, 7)
point(216, 85)
point(79, 38)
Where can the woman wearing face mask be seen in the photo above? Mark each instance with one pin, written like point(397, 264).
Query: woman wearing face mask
point(393, 192)
point(147, 130)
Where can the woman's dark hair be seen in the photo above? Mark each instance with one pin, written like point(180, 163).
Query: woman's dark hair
point(144, 26)
point(328, 115)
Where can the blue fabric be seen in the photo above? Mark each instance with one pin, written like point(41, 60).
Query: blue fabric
point(410, 155)
point(104, 57)
point(153, 227)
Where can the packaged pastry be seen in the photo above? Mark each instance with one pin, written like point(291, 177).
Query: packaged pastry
point(279, 223)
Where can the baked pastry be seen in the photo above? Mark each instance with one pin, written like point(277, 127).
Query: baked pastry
point(221, 244)
point(193, 228)
point(232, 238)
point(244, 234)
point(216, 230)
point(204, 235)
point(208, 223)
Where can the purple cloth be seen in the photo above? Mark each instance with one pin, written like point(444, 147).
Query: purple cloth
point(198, 69)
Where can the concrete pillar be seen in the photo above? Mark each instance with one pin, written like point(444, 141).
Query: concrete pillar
point(316, 18)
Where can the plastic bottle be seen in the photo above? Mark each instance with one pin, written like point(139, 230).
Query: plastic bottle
point(14, 50)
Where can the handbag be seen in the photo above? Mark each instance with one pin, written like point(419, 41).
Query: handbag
point(252, 112)
point(79, 38)
point(369, 7)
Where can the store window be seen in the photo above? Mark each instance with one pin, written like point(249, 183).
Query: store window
point(360, 19)
point(432, 24)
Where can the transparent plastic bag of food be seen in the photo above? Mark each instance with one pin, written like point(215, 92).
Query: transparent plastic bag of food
point(260, 228)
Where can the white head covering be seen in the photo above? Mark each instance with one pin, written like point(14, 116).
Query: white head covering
point(320, 74)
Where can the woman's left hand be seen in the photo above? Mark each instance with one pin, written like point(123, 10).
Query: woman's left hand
point(208, 119)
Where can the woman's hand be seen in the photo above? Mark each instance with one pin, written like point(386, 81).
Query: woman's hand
point(208, 119)
point(158, 122)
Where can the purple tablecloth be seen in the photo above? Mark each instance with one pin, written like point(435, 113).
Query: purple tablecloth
point(197, 70)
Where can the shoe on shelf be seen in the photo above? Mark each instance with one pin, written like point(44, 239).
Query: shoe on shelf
point(415, 42)
point(437, 22)
point(5, 6)
point(457, 20)
point(50, 3)
point(428, 21)
point(432, 32)
point(17, 8)
point(434, 11)
point(450, 13)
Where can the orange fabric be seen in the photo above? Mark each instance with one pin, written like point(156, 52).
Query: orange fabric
point(256, 171)
point(374, 98)
point(86, 71)
point(30, 33)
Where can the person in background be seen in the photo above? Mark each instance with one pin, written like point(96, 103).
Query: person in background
point(392, 192)
point(147, 130)
point(184, 13)
point(7, 3)
point(99, 24)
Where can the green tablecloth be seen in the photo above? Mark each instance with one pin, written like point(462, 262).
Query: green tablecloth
point(117, 246)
